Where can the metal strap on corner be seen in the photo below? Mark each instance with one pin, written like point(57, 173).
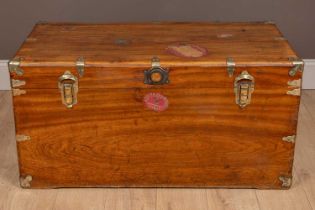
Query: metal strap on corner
point(230, 66)
point(80, 64)
point(14, 66)
point(298, 65)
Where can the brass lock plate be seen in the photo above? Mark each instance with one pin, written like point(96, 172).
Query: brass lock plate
point(243, 89)
point(68, 86)
point(156, 75)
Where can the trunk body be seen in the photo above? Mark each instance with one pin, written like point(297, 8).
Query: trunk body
point(187, 132)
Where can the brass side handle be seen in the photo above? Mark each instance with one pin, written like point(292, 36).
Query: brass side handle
point(243, 88)
point(68, 86)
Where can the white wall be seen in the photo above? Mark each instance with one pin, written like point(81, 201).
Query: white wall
point(308, 79)
point(309, 74)
point(4, 75)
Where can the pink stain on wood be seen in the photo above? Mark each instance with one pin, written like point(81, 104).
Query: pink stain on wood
point(156, 102)
point(187, 50)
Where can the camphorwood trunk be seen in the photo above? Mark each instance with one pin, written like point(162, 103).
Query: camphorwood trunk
point(186, 132)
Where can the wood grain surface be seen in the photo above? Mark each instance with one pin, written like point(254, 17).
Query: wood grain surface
point(203, 139)
point(299, 197)
point(113, 138)
point(117, 45)
point(180, 77)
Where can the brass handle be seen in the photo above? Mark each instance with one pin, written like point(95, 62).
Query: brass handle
point(68, 86)
point(243, 88)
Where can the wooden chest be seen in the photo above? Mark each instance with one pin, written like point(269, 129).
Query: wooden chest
point(156, 105)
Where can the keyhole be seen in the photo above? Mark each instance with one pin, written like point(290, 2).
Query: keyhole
point(156, 77)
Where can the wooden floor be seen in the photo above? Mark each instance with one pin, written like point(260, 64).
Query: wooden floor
point(300, 196)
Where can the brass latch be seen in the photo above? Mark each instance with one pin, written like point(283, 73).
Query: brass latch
point(243, 88)
point(68, 85)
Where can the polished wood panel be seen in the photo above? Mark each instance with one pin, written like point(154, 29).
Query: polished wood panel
point(180, 77)
point(247, 43)
point(202, 139)
point(300, 196)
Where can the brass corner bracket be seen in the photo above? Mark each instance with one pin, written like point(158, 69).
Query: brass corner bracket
point(298, 65)
point(290, 139)
point(286, 181)
point(295, 87)
point(17, 83)
point(20, 138)
point(294, 92)
point(14, 66)
point(17, 92)
point(294, 83)
point(25, 182)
